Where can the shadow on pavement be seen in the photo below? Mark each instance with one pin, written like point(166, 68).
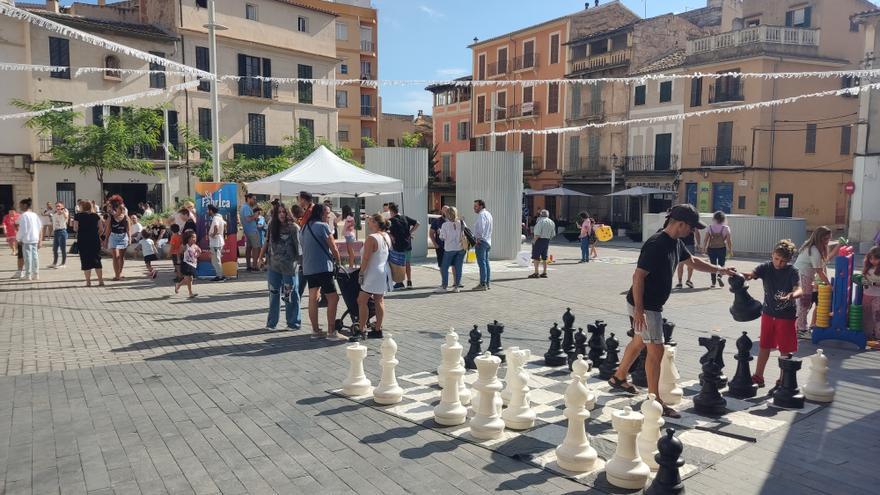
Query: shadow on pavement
point(192, 338)
point(293, 343)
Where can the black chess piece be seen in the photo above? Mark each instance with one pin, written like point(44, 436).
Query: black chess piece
point(709, 401)
point(787, 394)
point(668, 478)
point(475, 340)
point(637, 371)
point(609, 365)
point(741, 385)
point(744, 307)
point(555, 356)
point(668, 328)
point(580, 346)
point(567, 319)
point(715, 348)
point(495, 348)
point(596, 343)
point(567, 340)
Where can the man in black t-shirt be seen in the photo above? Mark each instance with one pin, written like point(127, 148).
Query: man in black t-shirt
point(401, 230)
point(652, 284)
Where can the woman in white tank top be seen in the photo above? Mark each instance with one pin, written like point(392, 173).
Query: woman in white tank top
point(373, 275)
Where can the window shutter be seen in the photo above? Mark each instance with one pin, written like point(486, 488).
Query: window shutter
point(552, 151)
point(98, 115)
point(696, 91)
point(789, 18)
point(553, 98)
point(173, 138)
point(242, 71)
point(267, 72)
point(808, 11)
point(204, 123)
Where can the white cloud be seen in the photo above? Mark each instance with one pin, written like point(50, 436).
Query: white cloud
point(452, 72)
point(431, 12)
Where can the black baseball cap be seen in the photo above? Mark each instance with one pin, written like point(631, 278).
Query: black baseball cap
point(688, 214)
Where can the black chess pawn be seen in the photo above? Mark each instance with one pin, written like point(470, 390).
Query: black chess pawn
point(744, 307)
point(567, 319)
point(495, 347)
point(609, 365)
point(476, 341)
point(555, 356)
point(668, 328)
point(668, 478)
point(741, 386)
point(715, 351)
point(596, 343)
point(709, 401)
point(637, 371)
point(787, 394)
point(580, 346)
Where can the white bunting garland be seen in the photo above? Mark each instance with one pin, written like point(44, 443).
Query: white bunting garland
point(82, 70)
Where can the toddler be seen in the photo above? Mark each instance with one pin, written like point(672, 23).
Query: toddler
point(148, 248)
point(190, 260)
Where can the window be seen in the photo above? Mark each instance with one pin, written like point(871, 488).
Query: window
point(528, 54)
point(343, 134)
point(256, 128)
point(446, 168)
point(343, 68)
point(367, 106)
point(727, 88)
point(696, 91)
point(754, 22)
point(502, 61)
point(202, 4)
point(640, 95)
point(500, 143)
point(741, 203)
point(66, 193)
point(309, 125)
point(463, 131)
point(203, 62)
point(366, 69)
point(552, 151)
point(845, 139)
point(665, 91)
point(304, 89)
point(56, 140)
point(799, 18)
point(481, 67)
point(811, 139)
point(554, 49)
point(111, 62)
point(250, 12)
point(525, 145)
point(205, 123)
point(574, 151)
point(389, 142)
point(250, 68)
point(341, 99)
point(157, 80)
point(553, 98)
point(59, 56)
point(481, 108)
point(302, 24)
point(446, 132)
point(341, 31)
point(367, 133)
point(853, 26)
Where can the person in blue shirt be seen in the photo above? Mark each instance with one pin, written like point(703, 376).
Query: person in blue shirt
point(261, 225)
point(252, 236)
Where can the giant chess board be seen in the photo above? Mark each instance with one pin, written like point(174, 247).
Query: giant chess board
point(706, 439)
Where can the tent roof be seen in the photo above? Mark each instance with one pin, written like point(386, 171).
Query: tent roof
point(640, 191)
point(324, 173)
point(556, 191)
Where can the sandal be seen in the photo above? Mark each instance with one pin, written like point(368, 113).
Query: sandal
point(534, 275)
point(689, 284)
point(670, 412)
point(758, 380)
point(543, 275)
point(624, 385)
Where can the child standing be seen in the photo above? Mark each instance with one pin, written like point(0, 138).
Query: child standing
point(148, 248)
point(176, 243)
point(191, 252)
point(871, 297)
point(781, 288)
point(10, 227)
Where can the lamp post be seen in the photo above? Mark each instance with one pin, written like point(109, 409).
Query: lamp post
point(213, 27)
point(166, 145)
point(613, 182)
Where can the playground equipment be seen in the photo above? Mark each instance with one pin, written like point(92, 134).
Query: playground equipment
point(839, 310)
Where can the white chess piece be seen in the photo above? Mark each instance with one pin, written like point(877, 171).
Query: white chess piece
point(505, 393)
point(647, 439)
point(575, 453)
point(388, 391)
point(670, 392)
point(519, 414)
point(487, 423)
point(451, 358)
point(581, 373)
point(817, 387)
point(450, 411)
point(626, 469)
point(357, 383)
point(445, 365)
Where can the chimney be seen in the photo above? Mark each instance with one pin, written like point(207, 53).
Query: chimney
point(597, 3)
point(586, 5)
point(52, 6)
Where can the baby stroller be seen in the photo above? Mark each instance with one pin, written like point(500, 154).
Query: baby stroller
point(350, 288)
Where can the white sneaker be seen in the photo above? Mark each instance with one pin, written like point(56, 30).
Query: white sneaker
point(52, 265)
point(456, 290)
point(34, 278)
point(16, 275)
point(440, 290)
point(61, 266)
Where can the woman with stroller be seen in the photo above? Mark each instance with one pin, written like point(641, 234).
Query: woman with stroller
point(373, 276)
point(281, 253)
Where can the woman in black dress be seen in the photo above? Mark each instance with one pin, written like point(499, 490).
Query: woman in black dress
point(88, 240)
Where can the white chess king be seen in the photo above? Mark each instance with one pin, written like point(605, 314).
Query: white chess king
point(357, 383)
point(388, 391)
point(817, 387)
point(445, 365)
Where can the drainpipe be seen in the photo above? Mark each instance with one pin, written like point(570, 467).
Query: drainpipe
point(772, 134)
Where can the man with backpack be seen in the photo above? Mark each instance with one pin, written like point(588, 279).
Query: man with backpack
point(401, 230)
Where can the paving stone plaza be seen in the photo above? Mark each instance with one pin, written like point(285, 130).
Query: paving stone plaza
point(130, 389)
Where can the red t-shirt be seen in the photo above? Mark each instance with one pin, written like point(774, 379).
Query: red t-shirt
point(9, 225)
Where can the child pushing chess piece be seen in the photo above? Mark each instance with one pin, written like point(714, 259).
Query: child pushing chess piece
point(779, 312)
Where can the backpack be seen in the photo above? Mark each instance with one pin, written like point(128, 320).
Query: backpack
point(716, 239)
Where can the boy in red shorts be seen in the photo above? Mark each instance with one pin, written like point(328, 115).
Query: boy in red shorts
point(778, 316)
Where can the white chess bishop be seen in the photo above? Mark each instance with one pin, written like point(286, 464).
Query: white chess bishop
point(575, 453)
point(647, 439)
point(487, 423)
point(670, 392)
point(817, 387)
point(626, 469)
point(357, 383)
point(519, 414)
point(388, 391)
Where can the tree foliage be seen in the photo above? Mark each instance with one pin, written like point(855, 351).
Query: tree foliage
point(298, 147)
point(412, 140)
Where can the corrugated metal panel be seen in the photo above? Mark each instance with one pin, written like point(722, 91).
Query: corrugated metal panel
point(411, 166)
point(496, 178)
point(751, 234)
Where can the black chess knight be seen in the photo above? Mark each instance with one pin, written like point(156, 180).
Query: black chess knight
point(476, 341)
point(495, 347)
point(715, 348)
point(741, 386)
point(597, 342)
point(555, 355)
point(709, 401)
point(744, 307)
point(609, 365)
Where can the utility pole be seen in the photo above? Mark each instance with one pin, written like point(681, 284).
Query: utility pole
point(213, 27)
point(167, 161)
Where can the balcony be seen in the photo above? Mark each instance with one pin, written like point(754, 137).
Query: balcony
point(723, 156)
point(258, 88)
point(525, 62)
point(368, 46)
point(256, 150)
point(604, 61)
point(500, 68)
point(368, 112)
point(776, 40)
point(593, 164)
point(731, 93)
point(650, 164)
point(525, 110)
point(590, 112)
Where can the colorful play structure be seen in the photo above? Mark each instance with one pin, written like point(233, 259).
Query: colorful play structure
point(839, 310)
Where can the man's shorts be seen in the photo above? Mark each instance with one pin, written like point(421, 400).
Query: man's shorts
point(407, 256)
point(778, 333)
point(253, 239)
point(654, 320)
point(323, 280)
point(539, 249)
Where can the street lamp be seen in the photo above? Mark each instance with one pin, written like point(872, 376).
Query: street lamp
point(613, 182)
point(213, 27)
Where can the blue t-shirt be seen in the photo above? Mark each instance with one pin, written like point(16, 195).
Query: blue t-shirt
point(316, 254)
point(261, 228)
point(249, 226)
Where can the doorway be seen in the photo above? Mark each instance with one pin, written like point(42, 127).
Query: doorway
point(132, 194)
point(7, 201)
point(784, 205)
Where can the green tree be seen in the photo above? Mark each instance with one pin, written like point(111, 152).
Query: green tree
point(243, 169)
point(98, 149)
point(303, 144)
point(368, 142)
point(412, 140)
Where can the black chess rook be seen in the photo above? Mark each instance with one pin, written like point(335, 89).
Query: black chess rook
point(609, 365)
point(787, 394)
point(668, 478)
point(597, 343)
point(495, 347)
point(741, 386)
point(555, 356)
point(475, 341)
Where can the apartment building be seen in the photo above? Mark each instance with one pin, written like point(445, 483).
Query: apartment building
point(357, 49)
point(453, 120)
point(393, 126)
point(786, 161)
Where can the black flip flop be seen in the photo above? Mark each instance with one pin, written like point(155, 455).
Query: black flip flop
point(670, 412)
point(619, 384)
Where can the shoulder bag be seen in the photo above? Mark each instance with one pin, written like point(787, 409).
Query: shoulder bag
point(469, 240)
point(324, 250)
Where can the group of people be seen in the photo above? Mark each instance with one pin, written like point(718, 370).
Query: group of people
point(452, 239)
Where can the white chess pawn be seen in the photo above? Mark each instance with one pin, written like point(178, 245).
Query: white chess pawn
point(647, 439)
point(519, 414)
point(670, 392)
point(817, 387)
point(357, 383)
point(450, 411)
point(575, 453)
point(388, 391)
point(445, 365)
point(581, 373)
point(626, 469)
point(487, 423)
point(505, 392)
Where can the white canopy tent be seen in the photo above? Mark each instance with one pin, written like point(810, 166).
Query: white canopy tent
point(325, 174)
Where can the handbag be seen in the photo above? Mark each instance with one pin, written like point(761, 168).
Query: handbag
point(326, 253)
point(74, 248)
point(469, 237)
